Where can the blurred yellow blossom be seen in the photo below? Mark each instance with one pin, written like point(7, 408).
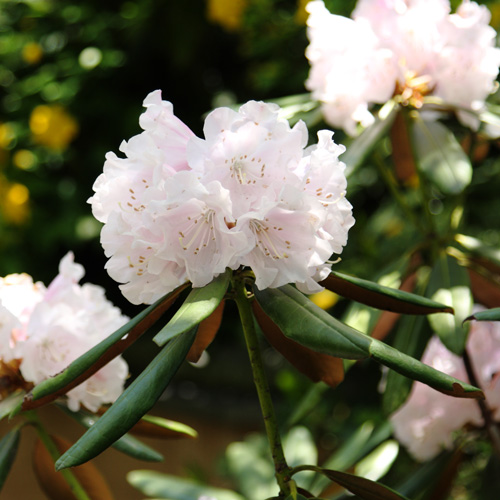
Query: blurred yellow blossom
point(6, 135)
point(32, 53)
point(227, 13)
point(52, 126)
point(14, 202)
point(301, 15)
point(24, 159)
point(324, 299)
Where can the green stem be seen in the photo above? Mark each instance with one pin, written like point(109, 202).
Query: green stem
point(51, 447)
point(282, 470)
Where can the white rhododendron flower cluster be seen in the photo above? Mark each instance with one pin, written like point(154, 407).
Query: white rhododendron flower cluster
point(426, 422)
point(180, 208)
point(46, 328)
point(409, 47)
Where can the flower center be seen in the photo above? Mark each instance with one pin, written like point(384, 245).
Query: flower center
point(265, 242)
point(199, 232)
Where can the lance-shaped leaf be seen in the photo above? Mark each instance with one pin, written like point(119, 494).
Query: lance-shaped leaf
point(360, 486)
point(156, 484)
point(485, 290)
point(440, 156)
point(126, 444)
point(134, 402)
point(158, 427)
point(362, 145)
point(12, 401)
point(101, 354)
point(54, 484)
point(449, 283)
point(299, 319)
point(411, 338)
point(477, 247)
point(207, 330)
point(200, 304)
point(315, 365)
point(382, 297)
point(488, 315)
point(8, 450)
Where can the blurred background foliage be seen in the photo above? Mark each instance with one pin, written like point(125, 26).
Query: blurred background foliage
point(72, 79)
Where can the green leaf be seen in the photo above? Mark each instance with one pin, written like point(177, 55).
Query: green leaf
point(411, 338)
point(362, 145)
point(134, 402)
point(200, 304)
point(126, 444)
point(440, 156)
point(449, 283)
point(364, 488)
point(304, 322)
point(477, 247)
point(488, 315)
point(169, 425)
point(382, 297)
point(379, 461)
point(90, 362)
point(12, 401)
point(8, 450)
point(158, 485)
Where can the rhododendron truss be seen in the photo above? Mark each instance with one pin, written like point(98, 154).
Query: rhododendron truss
point(408, 49)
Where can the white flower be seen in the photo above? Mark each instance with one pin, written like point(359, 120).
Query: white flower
point(246, 195)
point(58, 324)
point(412, 47)
point(426, 422)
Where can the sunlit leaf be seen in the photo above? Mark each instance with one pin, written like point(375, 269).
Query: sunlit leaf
point(200, 304)
point(362, 145)
point(53, 483)
point(126, 444)
point(449, 283)
point(477, 247)
point(315, 365)
point(158, 427)
point(381, 297)
point(158, 485)
point(489, 315)
point(299, 319)
point(8, 450)
point(440, 156)
point(94, 359)
point(379, 461)
point(134, 402)
point(8, 404)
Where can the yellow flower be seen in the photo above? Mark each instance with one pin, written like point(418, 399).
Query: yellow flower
point(14, 202)
point(52, 126)
point(32, 53)
point(24, 159)
point(227, 13)
point(324, 299)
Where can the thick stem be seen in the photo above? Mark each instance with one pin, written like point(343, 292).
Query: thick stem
point(280, 466)
point(51, 447)
point(490, 425)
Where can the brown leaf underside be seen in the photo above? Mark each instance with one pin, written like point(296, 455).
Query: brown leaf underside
point(317, 366)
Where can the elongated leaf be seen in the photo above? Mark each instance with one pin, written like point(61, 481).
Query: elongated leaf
point(126, 444)
point(158, 485)
point(440, 157)
point(134, 402)
point(411, 338)
point(8, 450)
point(94, 359)
point(11, 402)
point(200, 304)
point(159, 427)
point(315, 365)
point(362, 145)
point(207, 330)
point(382, 297)
point(485, 290)
point(489, 315)
point(53, 483)
point(477, 247)
point(449, 283)
point(299, 319)
point(364, 488)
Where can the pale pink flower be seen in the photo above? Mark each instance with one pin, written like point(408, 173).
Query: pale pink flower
point(248, 194)
point(390, 45)
point(426, 422)
point(59, 324)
